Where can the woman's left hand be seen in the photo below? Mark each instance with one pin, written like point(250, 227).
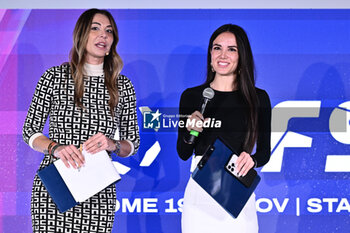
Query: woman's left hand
point(244, 163)
point(97, 143)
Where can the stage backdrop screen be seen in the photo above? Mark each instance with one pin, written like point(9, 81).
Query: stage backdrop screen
point(302, 60)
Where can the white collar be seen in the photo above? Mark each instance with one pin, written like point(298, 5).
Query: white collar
point(93, 70)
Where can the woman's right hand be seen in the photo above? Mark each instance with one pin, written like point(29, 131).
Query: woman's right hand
point(196, 116)
point(70, 155)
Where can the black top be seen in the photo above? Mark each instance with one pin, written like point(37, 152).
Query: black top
point(231, 109)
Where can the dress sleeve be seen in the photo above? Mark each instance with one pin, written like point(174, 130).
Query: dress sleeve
point(129, 129)
point(263, 145)
point(39, 109)
point(184, 150)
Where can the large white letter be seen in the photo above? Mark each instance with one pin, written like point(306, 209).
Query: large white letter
point(339, 126)
point(136, 205)
point(281, 114)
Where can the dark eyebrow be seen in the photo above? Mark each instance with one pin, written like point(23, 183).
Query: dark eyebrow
point(100, 24)
point(231, 46)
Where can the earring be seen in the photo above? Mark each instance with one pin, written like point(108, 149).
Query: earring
point(212, 69)
point(107, 53)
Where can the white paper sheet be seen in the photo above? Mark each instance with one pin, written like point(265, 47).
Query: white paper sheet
point(97, 173)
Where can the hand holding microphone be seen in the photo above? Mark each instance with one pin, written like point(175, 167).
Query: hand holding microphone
point(194, 128)
point(208, 94)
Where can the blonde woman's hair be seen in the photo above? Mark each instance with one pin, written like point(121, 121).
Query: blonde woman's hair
point(112, 66)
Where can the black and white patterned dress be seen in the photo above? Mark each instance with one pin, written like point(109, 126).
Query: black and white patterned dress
point(54, 97)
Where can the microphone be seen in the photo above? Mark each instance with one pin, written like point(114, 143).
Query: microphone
point(208, 94)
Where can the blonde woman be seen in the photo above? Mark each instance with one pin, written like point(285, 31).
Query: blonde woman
point(86, 101)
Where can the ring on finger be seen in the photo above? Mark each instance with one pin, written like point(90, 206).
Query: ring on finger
point(99, 144)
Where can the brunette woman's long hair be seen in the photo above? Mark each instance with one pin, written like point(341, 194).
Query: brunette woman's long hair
point(245, 78)
point(112, 66)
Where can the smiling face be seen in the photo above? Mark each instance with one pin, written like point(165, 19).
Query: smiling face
point(224, 54)
point(100, 39)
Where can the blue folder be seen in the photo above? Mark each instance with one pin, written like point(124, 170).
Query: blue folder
point(56, 187)
point(68, 187)
point(214, 177)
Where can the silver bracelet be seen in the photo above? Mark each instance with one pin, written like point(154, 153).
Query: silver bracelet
point(117, 147)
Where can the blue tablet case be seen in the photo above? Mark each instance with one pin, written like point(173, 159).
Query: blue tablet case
point(56, 187)
point(232, 195)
